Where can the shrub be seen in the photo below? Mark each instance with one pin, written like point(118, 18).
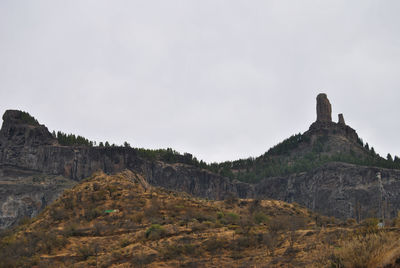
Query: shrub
point(260, 217)
point(141, 260)
point(68, 202)
point(362, 251)
point(155, 232)
point(50, 241)
point(214, 244)
point(71, 230)
point(231, 199)
point(85, 251)
point(232, 218)
point(174, 251)
point(271, 241)
point(93, 213)
point(58, 214)
point(369, 226)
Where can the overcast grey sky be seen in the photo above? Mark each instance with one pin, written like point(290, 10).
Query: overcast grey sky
point(220, 79)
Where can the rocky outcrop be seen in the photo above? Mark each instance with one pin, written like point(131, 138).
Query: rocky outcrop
point(19, 129)
point(193, 180)
point(324, 124)
point(341, 119)
point(340, 190)
point(324, 108)
point(30, 149)
point(24, 193)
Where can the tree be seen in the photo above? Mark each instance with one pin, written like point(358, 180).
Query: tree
point(101, 144)
point(127, 145)
point(366, 146)
point(389, 157)
point(107, 144)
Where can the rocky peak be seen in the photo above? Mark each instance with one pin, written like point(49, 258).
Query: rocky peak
point(21, 129)
point(341, 119)
point(324, 108)
point(324, 125)
point(16, 117)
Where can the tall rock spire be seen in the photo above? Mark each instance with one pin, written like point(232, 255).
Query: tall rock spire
point(324, 108)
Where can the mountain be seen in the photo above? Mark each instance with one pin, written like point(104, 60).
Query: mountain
point(324, 142)
point(327, 169)
point(122, 221)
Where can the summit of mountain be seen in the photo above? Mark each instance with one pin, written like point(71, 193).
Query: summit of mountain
point(325, 141)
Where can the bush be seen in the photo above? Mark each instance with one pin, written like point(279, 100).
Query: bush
point(71, 230)
point(85, 251)
point(58, 214)
point(369, 226)
point(174, 251)
point(260, 217)
point(214, 244)
point(155, 232)
point(363, 251)
point(91, 214)
point(232, 218)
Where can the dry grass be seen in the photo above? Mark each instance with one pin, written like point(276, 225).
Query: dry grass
point(158, 228)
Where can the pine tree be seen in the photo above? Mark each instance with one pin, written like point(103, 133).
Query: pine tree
point(366, 146)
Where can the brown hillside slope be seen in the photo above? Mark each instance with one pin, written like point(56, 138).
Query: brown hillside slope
point(121, 221)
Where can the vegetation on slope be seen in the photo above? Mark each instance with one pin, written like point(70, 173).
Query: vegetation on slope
point(28, 119)
point(110, 221)
point(293, 155)
point(297, 154)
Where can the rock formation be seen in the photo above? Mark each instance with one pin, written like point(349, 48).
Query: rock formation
point(324, 108)
point(340, 190)
point(341, 119)
point(34, 169)
point(324, 125)
point(28, 150)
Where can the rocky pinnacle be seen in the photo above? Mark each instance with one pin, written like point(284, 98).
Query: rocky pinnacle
point(324, 108)
point(341, 119)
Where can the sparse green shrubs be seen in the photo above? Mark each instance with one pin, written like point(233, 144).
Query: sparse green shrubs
point(92, 213)
point(214, 244)
point(155, 232)
point(173, 251)
point(28, 119)
point(228, 218)
point(84, 251)
point(260, 217)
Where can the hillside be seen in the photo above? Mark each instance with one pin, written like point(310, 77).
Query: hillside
point(121, 221)
point(324, 142)
point(327, 169)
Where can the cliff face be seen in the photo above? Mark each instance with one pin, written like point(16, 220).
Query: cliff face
point(24, 193)
point(35, 169)
point(340, 190)
point(28, 150)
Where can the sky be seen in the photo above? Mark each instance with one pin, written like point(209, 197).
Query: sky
point(222, 80)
